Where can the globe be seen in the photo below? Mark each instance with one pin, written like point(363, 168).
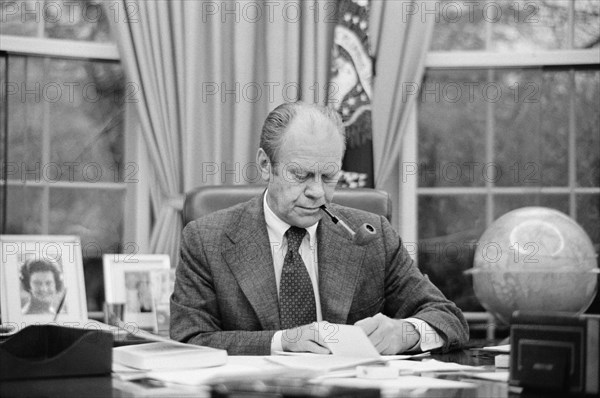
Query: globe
point(534, 259)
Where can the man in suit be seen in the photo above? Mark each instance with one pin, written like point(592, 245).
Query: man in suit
point(255, 278)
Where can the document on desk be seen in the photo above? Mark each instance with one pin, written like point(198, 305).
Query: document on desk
point(236, 367)
point(349, 346)
point(429, 366)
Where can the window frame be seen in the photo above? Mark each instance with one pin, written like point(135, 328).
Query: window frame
point(436, 60)
point(409, 191)
point(136, 211)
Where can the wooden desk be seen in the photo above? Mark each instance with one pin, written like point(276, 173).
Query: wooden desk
point(108, 386)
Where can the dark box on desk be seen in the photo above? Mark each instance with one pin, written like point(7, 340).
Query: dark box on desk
point(555, 351)
point(55, 351)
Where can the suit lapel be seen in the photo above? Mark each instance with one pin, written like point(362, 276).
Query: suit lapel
point(248, 255)
point(339, 268)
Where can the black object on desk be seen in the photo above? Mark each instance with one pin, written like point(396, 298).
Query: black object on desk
point(554, 351)
point(55, 351)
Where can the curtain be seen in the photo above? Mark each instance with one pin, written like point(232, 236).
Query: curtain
point(207, 73)
point(400, 35)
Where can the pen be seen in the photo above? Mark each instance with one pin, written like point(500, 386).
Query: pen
point(60, 305)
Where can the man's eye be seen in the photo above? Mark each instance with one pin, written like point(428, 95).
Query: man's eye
point(301, 177)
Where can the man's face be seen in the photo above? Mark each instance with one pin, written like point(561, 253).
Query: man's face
point(306, 173)
point(43, 286)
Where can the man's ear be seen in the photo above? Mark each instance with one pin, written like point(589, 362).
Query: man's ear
point(264, 164)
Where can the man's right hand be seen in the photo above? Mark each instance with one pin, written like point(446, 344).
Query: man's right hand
point(307, 338)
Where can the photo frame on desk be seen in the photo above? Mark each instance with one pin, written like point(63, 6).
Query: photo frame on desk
point(142, 283)
point(41, 280)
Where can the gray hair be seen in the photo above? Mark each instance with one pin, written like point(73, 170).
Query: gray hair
point(280, 118)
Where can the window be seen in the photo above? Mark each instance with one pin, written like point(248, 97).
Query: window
point(67, 163)
point(508, 117)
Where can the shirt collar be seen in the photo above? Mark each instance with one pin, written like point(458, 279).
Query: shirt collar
point(277, 227)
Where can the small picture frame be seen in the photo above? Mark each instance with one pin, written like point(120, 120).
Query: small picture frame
point(41, 280)
point(141, 282)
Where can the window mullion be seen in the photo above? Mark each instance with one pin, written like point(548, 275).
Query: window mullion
point(572, 165)
point(45, 156)
point(490, 127)
point(571, 27)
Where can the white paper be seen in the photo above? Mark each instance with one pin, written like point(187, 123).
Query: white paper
point(351, 341)
point(505, 348)
point(321, 363)
point(237, 366)
point(429, 365)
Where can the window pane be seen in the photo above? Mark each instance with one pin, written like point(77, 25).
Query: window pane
point(24, 210)
point(515, 25)
point(587, 24)
point(77, 20)
point(25, 117)
point(459, 25)
point(505, 203)
point(452, 129)
point(20, 18)
point(522, 25)
point(450, 215)
point(588, 216)
point(85, 102)
point(72, 19)
point(587, 97)
point(95, 215)
point(449, 227)
point(532, 128)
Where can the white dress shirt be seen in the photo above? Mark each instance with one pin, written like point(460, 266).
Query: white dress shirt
point(429, 339)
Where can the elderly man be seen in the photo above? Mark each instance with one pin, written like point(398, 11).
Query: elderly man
point(255, 278)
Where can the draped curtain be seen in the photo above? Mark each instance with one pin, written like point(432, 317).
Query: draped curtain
point(400, 35)
point(205, 75)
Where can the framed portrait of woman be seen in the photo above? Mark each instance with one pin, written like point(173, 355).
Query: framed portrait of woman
point(142, 283)
point(41, 280)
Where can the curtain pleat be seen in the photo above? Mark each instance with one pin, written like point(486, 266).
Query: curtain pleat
point(401, 41)
point(195, 71)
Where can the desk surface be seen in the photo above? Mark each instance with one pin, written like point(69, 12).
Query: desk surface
point(108, 386)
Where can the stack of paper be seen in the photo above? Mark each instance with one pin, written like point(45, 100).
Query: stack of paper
point(168, 355)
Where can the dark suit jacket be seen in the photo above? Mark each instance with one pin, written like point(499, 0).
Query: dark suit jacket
point(226, 297)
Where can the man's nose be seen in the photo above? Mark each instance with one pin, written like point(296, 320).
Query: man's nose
point(314, 189)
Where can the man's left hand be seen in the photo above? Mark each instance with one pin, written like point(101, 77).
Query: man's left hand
point(389, 336)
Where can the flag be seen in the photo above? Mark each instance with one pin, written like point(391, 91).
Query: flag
point(350, 90)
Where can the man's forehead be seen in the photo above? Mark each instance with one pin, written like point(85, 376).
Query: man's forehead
point(312, 165)
point(312, 125)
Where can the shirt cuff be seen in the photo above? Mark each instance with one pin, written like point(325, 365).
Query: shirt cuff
point(276, 344)
point(429, 339)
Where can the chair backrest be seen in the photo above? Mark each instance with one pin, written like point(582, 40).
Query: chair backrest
point(207, 199)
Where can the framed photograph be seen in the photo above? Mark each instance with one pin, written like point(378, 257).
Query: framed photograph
point(41, 280)
point(141, 282)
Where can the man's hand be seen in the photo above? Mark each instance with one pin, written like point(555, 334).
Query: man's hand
point(307, 338)
point(389, 336)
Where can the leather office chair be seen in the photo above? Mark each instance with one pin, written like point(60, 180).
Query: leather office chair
point(207, 199)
